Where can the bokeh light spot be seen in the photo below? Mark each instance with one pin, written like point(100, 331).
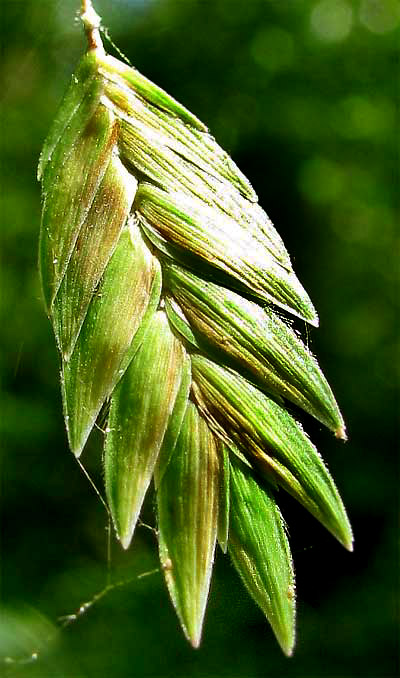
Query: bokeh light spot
point(273, 49)
point(321, 180)
point(356, 222)
point(357, 117)
point(363, 327)
point(331, 20)
point(380, 16)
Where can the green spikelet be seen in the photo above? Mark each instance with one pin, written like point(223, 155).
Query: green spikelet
point(165, 282)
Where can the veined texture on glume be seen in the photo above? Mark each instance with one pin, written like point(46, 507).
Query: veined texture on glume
point(170, 293)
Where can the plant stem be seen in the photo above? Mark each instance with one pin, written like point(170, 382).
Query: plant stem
point(91, 23)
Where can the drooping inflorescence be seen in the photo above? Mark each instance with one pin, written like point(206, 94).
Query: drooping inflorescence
point(166, 283)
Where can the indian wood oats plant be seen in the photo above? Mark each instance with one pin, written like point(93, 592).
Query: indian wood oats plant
point(165, 282)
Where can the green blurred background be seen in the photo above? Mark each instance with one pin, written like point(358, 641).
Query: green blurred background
point(302, 94)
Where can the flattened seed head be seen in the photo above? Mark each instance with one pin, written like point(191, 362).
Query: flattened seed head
point(164, 281)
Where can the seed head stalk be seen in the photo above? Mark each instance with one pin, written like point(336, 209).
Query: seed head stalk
point(91, 23)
